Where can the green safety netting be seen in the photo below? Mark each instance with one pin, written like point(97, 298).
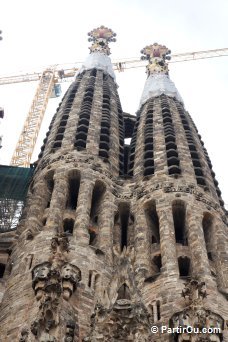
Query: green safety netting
point(14, 182)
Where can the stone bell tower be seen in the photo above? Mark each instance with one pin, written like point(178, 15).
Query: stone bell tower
point(115, 238)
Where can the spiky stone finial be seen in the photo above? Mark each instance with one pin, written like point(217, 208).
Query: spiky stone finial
point(157, 55)
point(100, 37)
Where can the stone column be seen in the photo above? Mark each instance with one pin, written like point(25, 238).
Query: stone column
point(220, 251)
point(58, 202)
point(142, 244)
point(167, 240)
point(83, 210)
point(37, 206)
point(106, 222)
point(199, 259)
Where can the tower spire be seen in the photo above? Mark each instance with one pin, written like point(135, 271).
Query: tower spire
point(99, 51)
point(158, 81)
point(157, 55)
point(101, 37)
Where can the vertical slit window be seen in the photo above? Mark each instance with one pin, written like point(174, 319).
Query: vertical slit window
point(152, 222)
point(50, 187)
point(122, 163)
point(73, 190)
point(178, 209)
point(96, 207)
point(105, 121)
point(70, 95)
point(2, 270)
point(158, 310)
point(207, 224)
point(157, 263)
point(173, 161)
point(123, 235)
point(184, 266)
point(131, 159)
point(149, 142)
point(212, 172)
point(192, 146)
point(85, 112)
point(68, 226)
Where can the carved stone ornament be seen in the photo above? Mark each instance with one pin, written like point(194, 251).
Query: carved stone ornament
point(71, 276)
point(100, 37)
point(24, 335)
point(48, 280)
point(157, 55)
point(194, 292)
point(49, 285)
point(195, 315)
point(40, 276)
point(70, 331)
point(60, 244)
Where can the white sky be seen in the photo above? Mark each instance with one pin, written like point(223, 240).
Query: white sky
point(44, 32)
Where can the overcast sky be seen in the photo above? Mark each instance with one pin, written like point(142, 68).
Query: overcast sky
point(44, 32)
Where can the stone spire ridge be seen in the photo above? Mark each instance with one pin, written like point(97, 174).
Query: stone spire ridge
point(99, 51)
point(158, 81)
point(157, 55)
point(101, 37)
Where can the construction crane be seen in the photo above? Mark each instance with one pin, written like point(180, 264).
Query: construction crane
point(57, 73)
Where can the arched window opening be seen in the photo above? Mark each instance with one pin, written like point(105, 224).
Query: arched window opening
point(2, 270)
point(123, 233)
point(124, 217)
point(68, 226)
point(50, 187)
point(184, 266)
point(97, 196)
point(157, 263)
point(74, 185)
point(124, 292)
point(152, 222)
point(96, 206)
point(207, 224)
point(179, 221)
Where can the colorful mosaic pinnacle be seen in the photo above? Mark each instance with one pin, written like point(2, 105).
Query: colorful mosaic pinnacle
point(100, 37)
point(156, 55)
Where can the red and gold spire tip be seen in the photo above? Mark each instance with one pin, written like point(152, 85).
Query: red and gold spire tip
point(100, 37)
point(157, 55)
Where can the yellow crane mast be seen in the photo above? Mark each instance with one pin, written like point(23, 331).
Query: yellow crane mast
point(27, 140)
point(52, 74)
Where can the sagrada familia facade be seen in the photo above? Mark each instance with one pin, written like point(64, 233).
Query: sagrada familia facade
point(119, 242)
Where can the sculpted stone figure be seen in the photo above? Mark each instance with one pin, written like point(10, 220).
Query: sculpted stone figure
point(71, 275)
point(40, 275)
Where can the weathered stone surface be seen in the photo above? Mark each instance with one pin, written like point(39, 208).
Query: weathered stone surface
point(102, 255)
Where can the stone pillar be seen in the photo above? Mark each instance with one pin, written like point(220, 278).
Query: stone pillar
point(167, 241)
point(106, 222)
point(83, 210)
point(93, 137)
point(142, 244)
point(58, 202)
point(139, 150)
point(199, 259)
point(220, 251)
point(37, 206)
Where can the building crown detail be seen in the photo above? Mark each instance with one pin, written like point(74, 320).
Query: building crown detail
point(100, 38)
point(157, 55)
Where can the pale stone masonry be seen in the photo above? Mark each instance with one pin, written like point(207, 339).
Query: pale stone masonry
point(116, 239)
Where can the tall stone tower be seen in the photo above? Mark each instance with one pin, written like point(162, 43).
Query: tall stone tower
point(117, 239)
